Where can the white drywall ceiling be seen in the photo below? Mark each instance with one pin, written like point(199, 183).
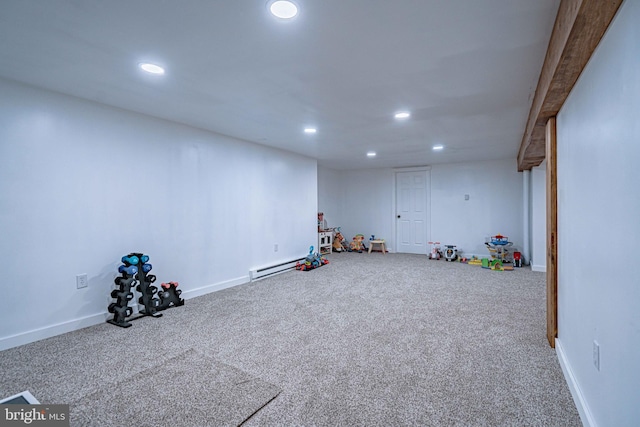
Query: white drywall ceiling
point(466, 69)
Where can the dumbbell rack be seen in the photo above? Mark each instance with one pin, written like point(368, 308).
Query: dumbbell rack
point(170, 296)
point(134, 272)
point(148, 299)
point(120, 308)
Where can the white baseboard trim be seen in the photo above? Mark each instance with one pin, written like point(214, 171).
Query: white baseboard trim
point(95, 319)
point(574, 387)
point(541, 268)
point(192, 293)
point(51, 331)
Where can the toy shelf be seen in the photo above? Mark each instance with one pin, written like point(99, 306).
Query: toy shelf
point(325, 241)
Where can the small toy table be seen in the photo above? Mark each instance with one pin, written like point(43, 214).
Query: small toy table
point(377, 242)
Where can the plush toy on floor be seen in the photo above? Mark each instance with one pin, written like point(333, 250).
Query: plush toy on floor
point(338, 240)
point(357, 244)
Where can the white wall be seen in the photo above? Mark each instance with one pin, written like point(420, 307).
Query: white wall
point(330, 195)
point(494, 205)
point(82, 184)
point(539, 217)
point(366, 204)
point(599, 227)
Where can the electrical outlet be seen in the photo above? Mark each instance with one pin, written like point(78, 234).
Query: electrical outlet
point(82, 281)
point(275, 248)
point(596, 355)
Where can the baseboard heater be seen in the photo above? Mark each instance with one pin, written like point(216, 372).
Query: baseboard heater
point(261, 273)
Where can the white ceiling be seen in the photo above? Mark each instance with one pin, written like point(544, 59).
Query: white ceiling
point(466, 69)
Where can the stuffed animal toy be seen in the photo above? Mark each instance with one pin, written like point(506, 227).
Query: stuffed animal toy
point(357, 244)
point(337, 242)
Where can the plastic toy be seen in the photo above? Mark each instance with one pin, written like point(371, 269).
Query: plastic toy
point(435, 252)
point(498, 246)
point(450, 253)
point(517, 259)
point(489, 264)
point(474, 261)
point(496, 265)
point(312, 261)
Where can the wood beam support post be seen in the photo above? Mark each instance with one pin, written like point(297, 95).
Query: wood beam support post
point(552, 231)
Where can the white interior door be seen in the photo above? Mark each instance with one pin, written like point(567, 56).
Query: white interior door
point(411, 211)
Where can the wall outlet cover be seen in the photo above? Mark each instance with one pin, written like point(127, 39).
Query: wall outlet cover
point(82, 281)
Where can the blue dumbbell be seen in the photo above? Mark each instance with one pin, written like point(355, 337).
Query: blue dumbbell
point(130, 270)
point(130, 260)
point(144, 258)
point(146, 268)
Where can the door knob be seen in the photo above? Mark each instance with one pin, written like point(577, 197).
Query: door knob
point(398, 216)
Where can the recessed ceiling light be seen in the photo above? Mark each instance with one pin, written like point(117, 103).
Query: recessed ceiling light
point(402, 115)
point(283, 9)
point(438, 147)
point(310, 130)
point(371, 154)
point(151, 68)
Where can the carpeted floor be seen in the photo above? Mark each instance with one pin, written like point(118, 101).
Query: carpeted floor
point(367, 340)
point(188, 384)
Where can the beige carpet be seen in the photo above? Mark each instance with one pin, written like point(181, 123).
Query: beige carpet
point(187, 390)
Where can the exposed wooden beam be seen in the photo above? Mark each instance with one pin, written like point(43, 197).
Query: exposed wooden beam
point(579, 26)
point(552, 233)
